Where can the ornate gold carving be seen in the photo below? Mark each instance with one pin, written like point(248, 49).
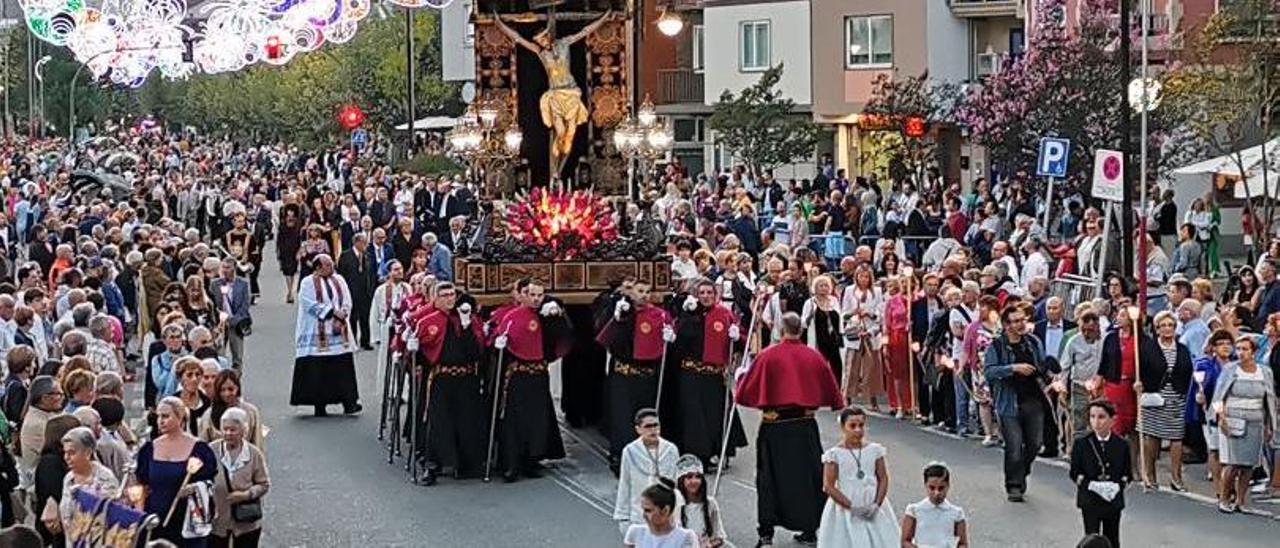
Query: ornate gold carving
point(608, 106)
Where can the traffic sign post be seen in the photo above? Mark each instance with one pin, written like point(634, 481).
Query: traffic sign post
point(1052, 163)
point(1108, 185)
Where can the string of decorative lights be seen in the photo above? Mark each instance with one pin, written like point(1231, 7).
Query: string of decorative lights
point(124, 41)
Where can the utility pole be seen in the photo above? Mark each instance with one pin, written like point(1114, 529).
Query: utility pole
point(1126, 146)
point(412, 74)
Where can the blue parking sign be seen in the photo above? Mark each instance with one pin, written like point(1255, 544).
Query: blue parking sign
point(1052, 161)
point(359, 138)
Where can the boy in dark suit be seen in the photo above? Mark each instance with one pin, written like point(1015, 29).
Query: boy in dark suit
point(1100, 468)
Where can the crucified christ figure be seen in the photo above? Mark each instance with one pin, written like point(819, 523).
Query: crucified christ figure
point(561, 105)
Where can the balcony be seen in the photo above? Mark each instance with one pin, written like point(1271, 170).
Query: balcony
point(682, 85)
point(686, 5)
point(986, 8)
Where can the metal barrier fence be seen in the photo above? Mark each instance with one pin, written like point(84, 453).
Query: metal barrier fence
point(1073, 289)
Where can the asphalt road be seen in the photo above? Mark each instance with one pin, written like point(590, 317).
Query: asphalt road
point(332, 486)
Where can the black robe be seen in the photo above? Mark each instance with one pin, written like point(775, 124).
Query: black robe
point(701, 395)
point(456, 417)
point(632, 384)
point(527, 424)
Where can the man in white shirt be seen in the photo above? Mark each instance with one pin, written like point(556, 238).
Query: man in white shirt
point(1036, 265)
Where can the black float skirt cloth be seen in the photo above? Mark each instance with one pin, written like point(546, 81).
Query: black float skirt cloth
point(456, 424)
point(324, 380)
point(632, 386)
point(702, 406)
point(789, 474)
point(528, 429)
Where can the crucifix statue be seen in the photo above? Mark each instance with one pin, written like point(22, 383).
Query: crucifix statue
point(561, 105)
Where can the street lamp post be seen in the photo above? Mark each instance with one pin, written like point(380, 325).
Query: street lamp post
point(641, 138)
point(479, 142)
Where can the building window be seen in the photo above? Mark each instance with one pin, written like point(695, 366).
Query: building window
point(753, 55)
point(697, 47)
point(868, 41)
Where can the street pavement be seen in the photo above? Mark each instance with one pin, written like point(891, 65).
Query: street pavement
point(332, 486)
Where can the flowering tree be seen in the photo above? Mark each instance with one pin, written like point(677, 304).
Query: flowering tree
point(905, 114)
point(1229, 87)
point(1066, 85)
point(1060, 86)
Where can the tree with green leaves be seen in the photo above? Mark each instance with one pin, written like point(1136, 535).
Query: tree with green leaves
point(905, 113)
point(1229, 88)
point(760, 126)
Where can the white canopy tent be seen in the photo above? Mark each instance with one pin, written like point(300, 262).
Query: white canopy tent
point(1263, 178)
point(430, 123)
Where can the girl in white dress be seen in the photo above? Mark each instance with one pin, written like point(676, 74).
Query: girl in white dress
point(935, 522)
point(659, 529)
point(856, 481)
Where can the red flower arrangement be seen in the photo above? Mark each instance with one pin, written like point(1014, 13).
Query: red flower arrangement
point(566, 223)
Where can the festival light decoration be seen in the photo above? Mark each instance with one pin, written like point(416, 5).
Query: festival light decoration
point(566, 223)
point(124, 41)
point(350, 117)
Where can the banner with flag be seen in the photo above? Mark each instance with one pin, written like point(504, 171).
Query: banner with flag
point(96, 521)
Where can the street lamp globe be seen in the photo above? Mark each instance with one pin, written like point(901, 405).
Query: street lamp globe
point(488, 115)
point(647, 114)
point(659, 139)
point(669, 23)
point(1144, 94)
point(512, 139)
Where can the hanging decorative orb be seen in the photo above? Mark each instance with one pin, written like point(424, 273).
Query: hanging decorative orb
point(350, 117)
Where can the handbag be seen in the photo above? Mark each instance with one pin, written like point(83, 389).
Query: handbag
point(249, 511)
point(1151, 399)
point(1235, 427)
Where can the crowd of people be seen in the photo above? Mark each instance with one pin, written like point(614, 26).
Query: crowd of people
point(913, 300)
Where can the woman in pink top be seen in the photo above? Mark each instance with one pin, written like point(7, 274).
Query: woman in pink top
point(897, 317)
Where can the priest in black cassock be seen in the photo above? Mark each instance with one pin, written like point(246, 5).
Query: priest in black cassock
point(452, 343)
point(533, 335)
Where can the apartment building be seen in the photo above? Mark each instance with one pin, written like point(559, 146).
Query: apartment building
point(740, 39)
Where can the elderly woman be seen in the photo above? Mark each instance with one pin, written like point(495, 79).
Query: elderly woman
point(164, 462)
point(189, 371)
point(242, 479)
point(84, 473)
point(1244, 401)
point(162, 380)
point(227, 394)
point(1163, 385)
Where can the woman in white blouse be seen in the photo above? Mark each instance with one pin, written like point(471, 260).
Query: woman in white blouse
point(860, 310)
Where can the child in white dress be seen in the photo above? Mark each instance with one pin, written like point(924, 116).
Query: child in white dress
point(934, 522)
point(856, 481)
point(659, 529)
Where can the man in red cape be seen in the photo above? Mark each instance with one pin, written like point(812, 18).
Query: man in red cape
point(533, 336)
point(452, 343)
point(788, 382)
point(636, 335)
point(705, 332)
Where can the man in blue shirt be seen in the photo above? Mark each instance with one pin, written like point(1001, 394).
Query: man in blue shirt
point(1193, 331)
point(439, 259)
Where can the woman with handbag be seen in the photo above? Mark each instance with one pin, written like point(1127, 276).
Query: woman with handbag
point(862, 306)
point(242, 481)
point(1245, 403)
point(1163, 384)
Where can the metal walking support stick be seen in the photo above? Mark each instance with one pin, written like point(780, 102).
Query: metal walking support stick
point(415, 383)
point(495, 392)
point(733, 408)
point(662, 371)
point(386, 389)
point(397, 385)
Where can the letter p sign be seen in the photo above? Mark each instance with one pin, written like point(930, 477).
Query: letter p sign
point(1052, 161)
